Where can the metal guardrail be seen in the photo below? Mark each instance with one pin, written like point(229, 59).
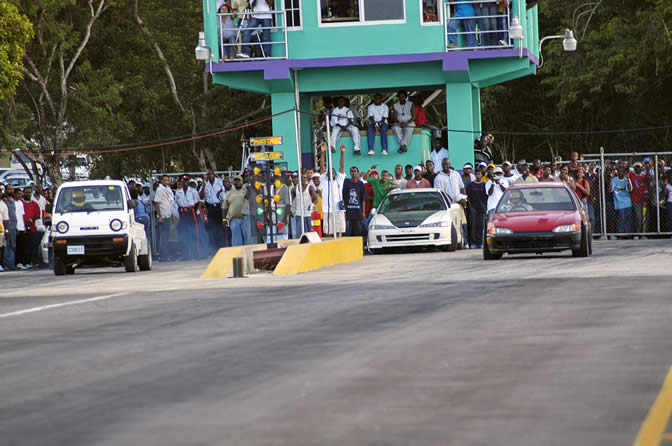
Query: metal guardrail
point(480, 26)
point(261, 48)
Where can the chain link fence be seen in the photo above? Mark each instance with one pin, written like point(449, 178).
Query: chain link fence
point(630, 194)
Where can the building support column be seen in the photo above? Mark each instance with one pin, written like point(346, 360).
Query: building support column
point(461, 116)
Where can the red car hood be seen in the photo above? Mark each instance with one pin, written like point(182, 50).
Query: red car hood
point(535, 221)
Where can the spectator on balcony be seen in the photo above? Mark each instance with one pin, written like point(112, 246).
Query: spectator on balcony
point(488, 23)
point(438, 152)
point(418, 181)
point(639, 195)
point(404, 123)
point(621, 188)
point(343, 119)
point(464, 15)
point(379, 114)
point(262, 19)
point(227, 30)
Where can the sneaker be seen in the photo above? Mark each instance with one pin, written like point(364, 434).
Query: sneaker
point(1, 269)
point(20, 266)
point(243, 55)
point(358, 152)
point(502, 43)
point(451, 46)
point(384, 152)
point(28, 266)
point(372, 152)
point(333, 150)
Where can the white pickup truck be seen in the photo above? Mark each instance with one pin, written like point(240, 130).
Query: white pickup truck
point(93, 224)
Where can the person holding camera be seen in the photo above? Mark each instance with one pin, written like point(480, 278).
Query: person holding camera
point(495, 188)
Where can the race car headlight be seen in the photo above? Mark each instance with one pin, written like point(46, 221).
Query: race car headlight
point(438, 224)
point(382, 227)
point(494, 230)
point(567, 228)
point(62, 227)
point(116, 225)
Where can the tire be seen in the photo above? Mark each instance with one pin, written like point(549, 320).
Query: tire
point(590, 244)
point(453, 239)
point(131, 261)
point(69, 270)
point(59, 267)
point(487, 254)
point(584, 249)
point(145, 261)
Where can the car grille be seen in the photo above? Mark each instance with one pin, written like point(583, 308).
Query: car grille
point(407, 237)
point(97, 246)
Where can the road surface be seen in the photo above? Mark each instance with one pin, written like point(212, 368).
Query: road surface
point(401, 349)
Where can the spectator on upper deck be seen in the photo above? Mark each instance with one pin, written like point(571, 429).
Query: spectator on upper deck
point(343, 119)
point(404, 123)
point(464, 15)
point(488, 23)
point(228, 32)
point(261, 18)
point(378, 114)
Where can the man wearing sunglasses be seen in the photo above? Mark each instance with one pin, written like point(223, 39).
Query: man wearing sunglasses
point(495, 187)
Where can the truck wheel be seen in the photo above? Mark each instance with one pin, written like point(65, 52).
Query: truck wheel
point(131, 261)
point(59, 266)
point(145, 261)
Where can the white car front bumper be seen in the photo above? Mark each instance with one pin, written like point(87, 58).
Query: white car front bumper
point(408, 237)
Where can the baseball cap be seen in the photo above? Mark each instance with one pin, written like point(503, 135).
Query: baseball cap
point(498, 170)
point(646, 160)
point(638, 164)
point(482, 164)
point(185, 177)
point(316, 175)
point(507, 163)
point(146, 185)
point(417, 168)
point(491, 165)
point(238, 177)
point(375, 171)
point(468, 166)
point(295, 174)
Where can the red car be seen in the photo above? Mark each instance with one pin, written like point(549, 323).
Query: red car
point(536, 218)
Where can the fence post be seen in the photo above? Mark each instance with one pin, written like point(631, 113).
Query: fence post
point(655, 159)
point(603, 196)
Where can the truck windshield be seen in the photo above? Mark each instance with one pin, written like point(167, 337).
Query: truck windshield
point(90, 199)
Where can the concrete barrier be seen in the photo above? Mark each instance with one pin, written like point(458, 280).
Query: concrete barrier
point(312, 256)
point(297, 258)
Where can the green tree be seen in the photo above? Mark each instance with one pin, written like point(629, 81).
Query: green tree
point(15, 32)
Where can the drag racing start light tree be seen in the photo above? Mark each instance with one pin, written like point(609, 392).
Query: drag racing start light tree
point(268, 199)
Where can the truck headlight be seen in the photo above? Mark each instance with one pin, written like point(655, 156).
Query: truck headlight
point(116, 225)
point(62, 227)
point(567, 228)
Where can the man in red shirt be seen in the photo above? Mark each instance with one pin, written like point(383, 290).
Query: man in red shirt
point(31, 214)
point(417, 181)
point(639, 195)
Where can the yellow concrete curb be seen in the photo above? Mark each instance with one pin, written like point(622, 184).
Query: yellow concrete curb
point(297, 258)
point(312, 256)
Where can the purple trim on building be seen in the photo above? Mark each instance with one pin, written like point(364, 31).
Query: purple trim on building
point(451, 61)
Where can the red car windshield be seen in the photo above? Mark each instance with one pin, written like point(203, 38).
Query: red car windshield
point(538, 199)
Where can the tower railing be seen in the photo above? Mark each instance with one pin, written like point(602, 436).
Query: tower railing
point(487, 28)
point(262, 41)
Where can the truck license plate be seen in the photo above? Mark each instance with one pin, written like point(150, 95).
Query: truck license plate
point(76, 250)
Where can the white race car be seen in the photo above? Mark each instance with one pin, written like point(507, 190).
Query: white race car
point(416, 217)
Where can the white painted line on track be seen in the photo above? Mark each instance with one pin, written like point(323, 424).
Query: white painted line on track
point(62, 304)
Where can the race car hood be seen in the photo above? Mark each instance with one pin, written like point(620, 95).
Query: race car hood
point(413, 219)
point(535, 221)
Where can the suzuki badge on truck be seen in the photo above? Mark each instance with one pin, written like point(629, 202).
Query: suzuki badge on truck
point(94, 225)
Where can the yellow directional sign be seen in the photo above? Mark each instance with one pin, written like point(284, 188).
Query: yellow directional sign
point(266, 141)
point(274, 156)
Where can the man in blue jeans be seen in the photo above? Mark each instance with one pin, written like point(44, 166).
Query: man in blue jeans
point(378, 115)
point(232, 209)
point(261, 18)
point(464, 14)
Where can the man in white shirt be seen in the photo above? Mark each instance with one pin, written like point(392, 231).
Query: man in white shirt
point(378, 115)
point(342, 119)
point(438, 153)
point(213, 194)
point(4, 229)
point(261, 18)
point(404, 115)
point(187, 200)
point(163, 203)
point(495, 188)
point(450, 182)
point(332, 200)
point(399, 176)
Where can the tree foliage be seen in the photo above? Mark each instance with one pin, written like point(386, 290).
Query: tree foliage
point(15, 32)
